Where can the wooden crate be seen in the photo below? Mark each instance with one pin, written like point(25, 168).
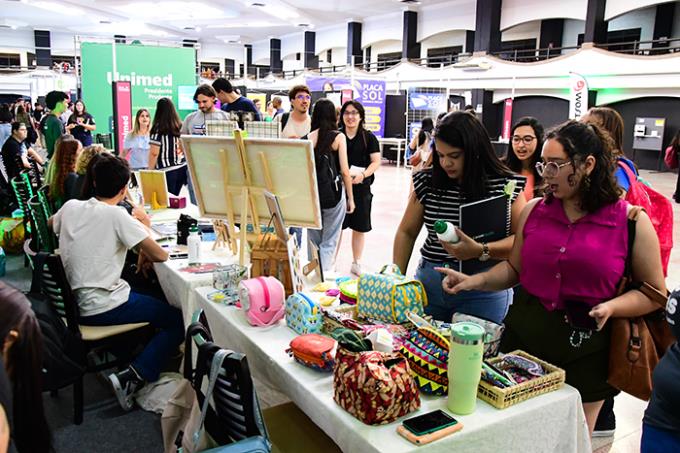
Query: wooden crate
point(269, 258)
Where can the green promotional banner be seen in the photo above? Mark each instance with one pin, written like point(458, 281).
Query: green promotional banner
point(154, 73)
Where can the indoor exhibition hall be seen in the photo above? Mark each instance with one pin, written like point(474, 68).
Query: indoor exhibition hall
point(296, 226)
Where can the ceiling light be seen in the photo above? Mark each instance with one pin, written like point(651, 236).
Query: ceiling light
point(11, 24)
point(279, 11)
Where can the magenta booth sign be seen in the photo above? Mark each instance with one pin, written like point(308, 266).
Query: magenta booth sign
point(122, 113)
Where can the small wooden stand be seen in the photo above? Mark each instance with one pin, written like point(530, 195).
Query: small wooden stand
point(269, 257)
point(222, 238)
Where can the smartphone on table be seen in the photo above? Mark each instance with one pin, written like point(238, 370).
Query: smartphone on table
point(578, 315)
point(429, 427)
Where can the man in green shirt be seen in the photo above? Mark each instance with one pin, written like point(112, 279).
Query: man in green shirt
point(53, 128)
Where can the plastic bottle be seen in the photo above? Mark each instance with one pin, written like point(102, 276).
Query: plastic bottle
point(194, 245)
point(465, 366)
point(446, 231)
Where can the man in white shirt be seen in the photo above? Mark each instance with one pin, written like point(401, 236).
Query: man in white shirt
point(297, 123)
point(94, 237)
point(195, 122)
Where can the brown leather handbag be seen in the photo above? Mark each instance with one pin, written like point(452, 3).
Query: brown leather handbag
point(637, 344)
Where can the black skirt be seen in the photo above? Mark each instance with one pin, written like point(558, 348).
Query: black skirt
point(546, 335)
point(360, 219)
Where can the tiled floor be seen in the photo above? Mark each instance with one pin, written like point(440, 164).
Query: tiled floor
point(390, 192)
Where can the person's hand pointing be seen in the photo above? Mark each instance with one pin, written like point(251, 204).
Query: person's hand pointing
point(455, 282)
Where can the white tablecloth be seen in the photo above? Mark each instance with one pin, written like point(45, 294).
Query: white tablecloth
point(178, 286)
point(549, 423)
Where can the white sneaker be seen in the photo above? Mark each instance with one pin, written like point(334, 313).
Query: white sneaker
point(356, 269)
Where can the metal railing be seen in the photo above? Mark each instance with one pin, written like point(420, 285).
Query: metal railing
point(653, 47)
point(532, 55)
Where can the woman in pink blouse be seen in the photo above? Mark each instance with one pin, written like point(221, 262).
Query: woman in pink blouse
point(570, 249)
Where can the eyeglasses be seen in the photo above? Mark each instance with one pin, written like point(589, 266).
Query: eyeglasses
point(303, 97)
point(550, 169)
point(526, 139)
point(351, 113)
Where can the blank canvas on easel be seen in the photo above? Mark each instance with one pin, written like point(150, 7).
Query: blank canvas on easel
point(214, 163)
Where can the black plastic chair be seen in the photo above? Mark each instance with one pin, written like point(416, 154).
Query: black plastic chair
point(23, 191)
point(236, 415)
point(44, 194)
point(92, 339)
point(47, 241)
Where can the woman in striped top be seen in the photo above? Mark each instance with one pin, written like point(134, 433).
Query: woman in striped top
point(165, 147)
point(465, 168)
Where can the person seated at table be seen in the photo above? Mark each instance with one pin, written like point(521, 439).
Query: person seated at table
point(82, 162)
point(571, 247)
point(15, 156)
point(22, 350)
point(94, 236)
point(464, 168)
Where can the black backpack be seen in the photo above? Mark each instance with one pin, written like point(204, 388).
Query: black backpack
point(327, 179)
point(284, 120)
point(64, 355)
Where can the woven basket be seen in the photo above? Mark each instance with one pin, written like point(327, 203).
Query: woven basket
point(506, 397)
point(329, 325)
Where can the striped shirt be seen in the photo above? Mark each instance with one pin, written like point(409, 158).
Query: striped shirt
point(444, 204)
point(167, 156)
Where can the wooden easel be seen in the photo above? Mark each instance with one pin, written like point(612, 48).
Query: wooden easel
point(248, 197)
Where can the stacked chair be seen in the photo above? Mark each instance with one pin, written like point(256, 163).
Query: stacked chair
point(234, 419)
point(95, 342)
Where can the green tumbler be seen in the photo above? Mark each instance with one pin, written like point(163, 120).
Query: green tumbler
point(465, 366)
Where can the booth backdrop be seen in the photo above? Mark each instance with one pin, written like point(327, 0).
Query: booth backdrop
point(154, 72)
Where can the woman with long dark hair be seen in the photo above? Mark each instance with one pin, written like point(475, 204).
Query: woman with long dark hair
point(332, 170)
point(63, 171)
point(465, 168)
point(22, 355)
point(363, 155)
point(81, 124)
point(165, 147)
point(570, 252)
point(524, 151)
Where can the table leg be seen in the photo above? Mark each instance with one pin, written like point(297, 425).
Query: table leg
point(398, 154)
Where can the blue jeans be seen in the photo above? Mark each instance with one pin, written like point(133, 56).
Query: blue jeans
point(327, 237)
point(165, 318)
point(488, 305)
point(655, 440)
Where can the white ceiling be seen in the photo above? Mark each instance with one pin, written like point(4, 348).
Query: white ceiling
point(235, 21)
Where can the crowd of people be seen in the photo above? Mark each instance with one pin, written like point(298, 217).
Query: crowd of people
point(565, 240)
